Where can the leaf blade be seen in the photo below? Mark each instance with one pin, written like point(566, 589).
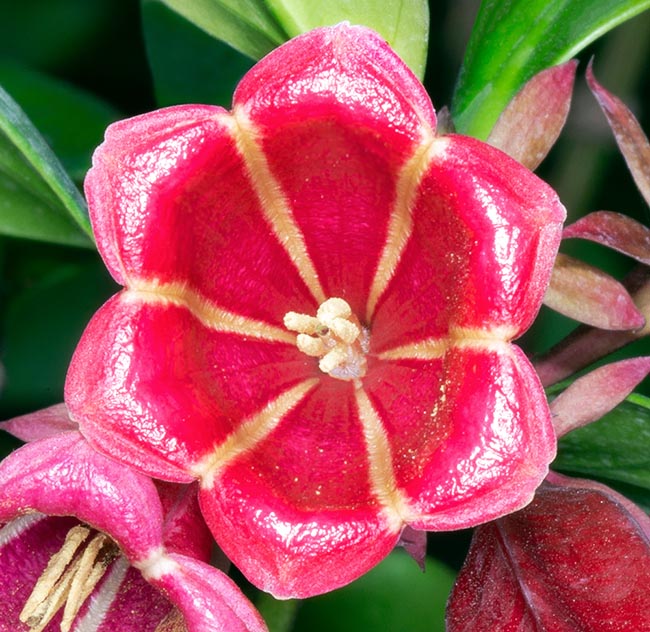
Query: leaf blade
point(514, 39)
point(29, 162)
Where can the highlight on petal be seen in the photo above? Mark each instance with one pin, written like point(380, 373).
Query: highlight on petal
point(590, 296)
point(630, 138)
point(615, 231)
point(494, 234)
point(83, 545)
point(61, 475)
point(493, 446)
point(317, 435)
point(578, 557)
point(532, 121)
point(208, 600)
point(595, 394)
point(349, 69)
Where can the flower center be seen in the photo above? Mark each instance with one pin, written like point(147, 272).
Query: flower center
point(335, 336)
point(70, 576)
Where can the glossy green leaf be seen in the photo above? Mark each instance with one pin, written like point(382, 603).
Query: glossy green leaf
point(403, 23)
point(187, 64)
point(72, 121)
point(37, 198)
point(514, 39)
point(393, 597)
point(255, 27)
point(614, 449)
point(246, 25)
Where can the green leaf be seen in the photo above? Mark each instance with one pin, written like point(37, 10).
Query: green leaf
point(403, 23)
point(255, 27)
point(71, 120)
point(37, 198)
point(246, 25)
point(393, 597)
point(614, 450)
point(188, 65)
point(514, 39)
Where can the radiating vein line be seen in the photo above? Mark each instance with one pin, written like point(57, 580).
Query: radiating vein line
point(275, 207)
point(400, 225)
point(251, 432)
point(382, 476)
point(460, 338)
point(210, 315)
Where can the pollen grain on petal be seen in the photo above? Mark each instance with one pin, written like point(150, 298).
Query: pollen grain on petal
point(250, 433)
point(209, 314)
point(273, 202)
point(400, 224)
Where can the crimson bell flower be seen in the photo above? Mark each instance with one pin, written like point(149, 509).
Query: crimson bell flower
point(89, 545)
point(319, 299)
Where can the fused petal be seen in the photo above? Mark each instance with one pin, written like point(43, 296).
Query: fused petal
point(313, 283)
point(57, 492)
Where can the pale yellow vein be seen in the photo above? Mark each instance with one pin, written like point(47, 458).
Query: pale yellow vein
point(275, 206)
point(400, 225)
point(250, 433)
point(206, 312)
point(382, 475)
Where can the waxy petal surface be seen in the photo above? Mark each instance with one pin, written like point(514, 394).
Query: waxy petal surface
point(63, 475)
point(169, 387)
point(208, 599)
point(475, 450)
point(480, 252)
point(54, 484)
point(325, 181)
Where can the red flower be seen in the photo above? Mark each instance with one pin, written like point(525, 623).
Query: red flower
point(323, 205)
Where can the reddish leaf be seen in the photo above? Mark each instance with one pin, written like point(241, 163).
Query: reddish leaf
point(596, 393)
point(530, 125)
point(631, 140)
point(414, 542)
point(577, 559)
point(585, 344)
point(615, 231)
point(590, 296)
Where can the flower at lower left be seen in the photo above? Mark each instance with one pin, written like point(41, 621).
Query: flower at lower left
point(89, 545)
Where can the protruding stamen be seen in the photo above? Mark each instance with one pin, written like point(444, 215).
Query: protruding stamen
point(335, 336)
point(303, 323)
point(69, 578)
point(314, 347)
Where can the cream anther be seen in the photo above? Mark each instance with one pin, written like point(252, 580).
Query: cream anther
point(69, 578)
point(335, 336)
